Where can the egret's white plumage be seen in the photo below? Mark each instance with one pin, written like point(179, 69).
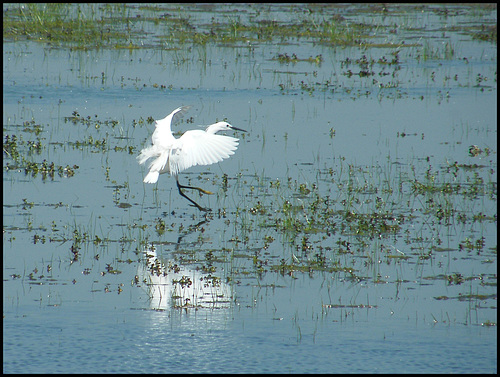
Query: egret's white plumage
point(194, 147)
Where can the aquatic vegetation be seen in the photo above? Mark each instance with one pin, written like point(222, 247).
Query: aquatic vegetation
point(367, 183)
point(486, 33)
point(284, 58)
point(10, 147)
point(86, 26)
point(60, 23)
point(46, 169)
point(447, 52)
point(303, 217)
point(20, 161)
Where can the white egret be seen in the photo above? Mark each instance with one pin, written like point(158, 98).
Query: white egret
point(194, 147)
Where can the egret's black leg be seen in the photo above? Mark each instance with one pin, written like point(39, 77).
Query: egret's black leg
point(179, 186)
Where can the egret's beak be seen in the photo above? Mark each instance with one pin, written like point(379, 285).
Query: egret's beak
point(238, 129)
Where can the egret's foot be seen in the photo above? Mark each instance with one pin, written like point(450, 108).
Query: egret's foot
point(193, 203)
point(195, 188)
point(204, 191)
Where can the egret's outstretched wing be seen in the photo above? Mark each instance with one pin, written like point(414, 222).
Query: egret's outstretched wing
point(162, 136)
point(197, 147)
point(173, 117)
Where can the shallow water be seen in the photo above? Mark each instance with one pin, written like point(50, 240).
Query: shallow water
point(320, 256)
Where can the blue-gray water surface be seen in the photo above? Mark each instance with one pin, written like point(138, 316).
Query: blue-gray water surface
point(105, 274)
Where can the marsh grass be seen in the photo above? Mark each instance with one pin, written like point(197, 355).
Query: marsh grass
point(96, 26)
point(447, 51)
point(57, 23)
point(362, 214)
point(343, 221)
point(88, 26)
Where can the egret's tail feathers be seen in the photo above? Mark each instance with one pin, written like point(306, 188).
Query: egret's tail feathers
point(152, 177)
point(145, 154)
point(142, 158)
point(160, 163)
point(157, 166)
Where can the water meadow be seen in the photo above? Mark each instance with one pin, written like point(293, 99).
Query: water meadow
point(353, 231)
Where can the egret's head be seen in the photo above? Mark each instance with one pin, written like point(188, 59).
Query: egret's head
point(221, 126)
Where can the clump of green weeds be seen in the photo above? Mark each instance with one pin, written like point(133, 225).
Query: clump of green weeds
point(85, 26)
point(20, 160)
point(55, 23)
point(285, 58)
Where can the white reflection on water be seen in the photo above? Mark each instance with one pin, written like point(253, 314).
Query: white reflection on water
point(171, 285)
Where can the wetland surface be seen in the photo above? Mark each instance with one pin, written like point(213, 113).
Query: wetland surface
point(353, 231)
